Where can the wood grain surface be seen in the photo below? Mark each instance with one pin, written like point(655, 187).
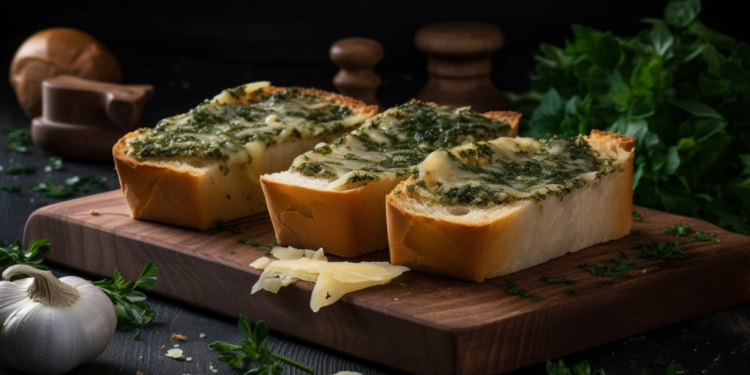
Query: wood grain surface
point(418, 323)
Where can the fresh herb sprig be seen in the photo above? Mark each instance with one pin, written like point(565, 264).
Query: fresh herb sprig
point(17, 140)
point(14, 253)
point(514, 289)
point(130, 305)
point(582, 368)
point(253, 349)
point(679, 87)
point(73, 186)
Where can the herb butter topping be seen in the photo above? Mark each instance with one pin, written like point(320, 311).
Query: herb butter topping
point(230, 126)
point(509, 169)
point(390, 144)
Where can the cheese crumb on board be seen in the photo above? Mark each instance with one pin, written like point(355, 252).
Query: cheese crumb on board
point(332, 280)
point(175, 354)
point(178, 337)
point(202, 335)
point(94, 212)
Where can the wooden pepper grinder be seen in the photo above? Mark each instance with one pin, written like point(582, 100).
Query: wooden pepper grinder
point(459, 64)
point(356, 57)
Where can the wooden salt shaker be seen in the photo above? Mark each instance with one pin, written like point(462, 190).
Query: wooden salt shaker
point(357, 57)
point(459, 64)
point(84, 119)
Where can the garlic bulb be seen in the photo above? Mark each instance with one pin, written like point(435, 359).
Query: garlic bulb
point(51, 326)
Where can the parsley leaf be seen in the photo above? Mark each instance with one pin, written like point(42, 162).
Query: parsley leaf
point(219, 226)
point(14, 253)
point(271, 246)
point(611, 267)
point(661, 250)
point(253, 349)
point(675, 369)
point(679, 229)
point(253, 243)
point(11, 188)
point(558, 280)
point(22, 169)
point(514, 289)
point(17, 140)
point(73, 186)
point(130, 305)
point(678, 87)
point(582, 368)
point(55, 162)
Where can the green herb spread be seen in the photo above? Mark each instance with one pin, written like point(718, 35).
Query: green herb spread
point(509, 169)
point(390, 144)
point(228, 124)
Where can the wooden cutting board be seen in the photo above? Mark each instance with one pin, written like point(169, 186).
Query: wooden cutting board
point(418, 323)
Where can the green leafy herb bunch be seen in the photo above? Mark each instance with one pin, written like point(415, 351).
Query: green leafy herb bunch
point(680, 88)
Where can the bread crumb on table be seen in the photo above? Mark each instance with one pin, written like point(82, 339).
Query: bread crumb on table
point(93, 212)
point(138, 373)
point(202, 335)
point(178, 337)
point(163, 346)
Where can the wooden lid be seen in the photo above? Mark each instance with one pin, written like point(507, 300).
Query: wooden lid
point(356, 53)
point(463, 38)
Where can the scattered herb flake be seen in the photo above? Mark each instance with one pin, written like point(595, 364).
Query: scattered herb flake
point(137, 334)
point(253, 243)
point(18, 139)
point(271, 246)
point(660, 361)
point(611, 267)
point(679, 230)
point(55, 162)
point(11, 188)
point(637, 216)
point(22, 169)
point(661, 250)
point(219, 226)
point(675, 369)
point(514, 289)
point(571, 291)
point(558, 280)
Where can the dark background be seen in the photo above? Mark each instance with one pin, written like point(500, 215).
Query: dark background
point(191, 50)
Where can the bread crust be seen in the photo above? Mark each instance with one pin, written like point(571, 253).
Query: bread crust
point(519, 236)
point(193, 192)
point(345, 223)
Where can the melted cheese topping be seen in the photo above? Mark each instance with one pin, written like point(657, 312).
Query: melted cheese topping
point(509, 169)
point(332, 280)
point(392, 143)
point(240, 123)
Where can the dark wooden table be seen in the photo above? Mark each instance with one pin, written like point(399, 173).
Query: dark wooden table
point(718, 343)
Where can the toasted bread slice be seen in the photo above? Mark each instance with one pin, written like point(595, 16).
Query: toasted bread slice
point(204, 180)
point(341, 206)
point(436, 224)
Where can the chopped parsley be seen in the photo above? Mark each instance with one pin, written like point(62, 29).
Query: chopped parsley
point(558, 280)
point(12, 189)
point(611, 267)
point(514, 289)
point(218, 226)
point(22, 169)
point(252, 243)
point(17, 140)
